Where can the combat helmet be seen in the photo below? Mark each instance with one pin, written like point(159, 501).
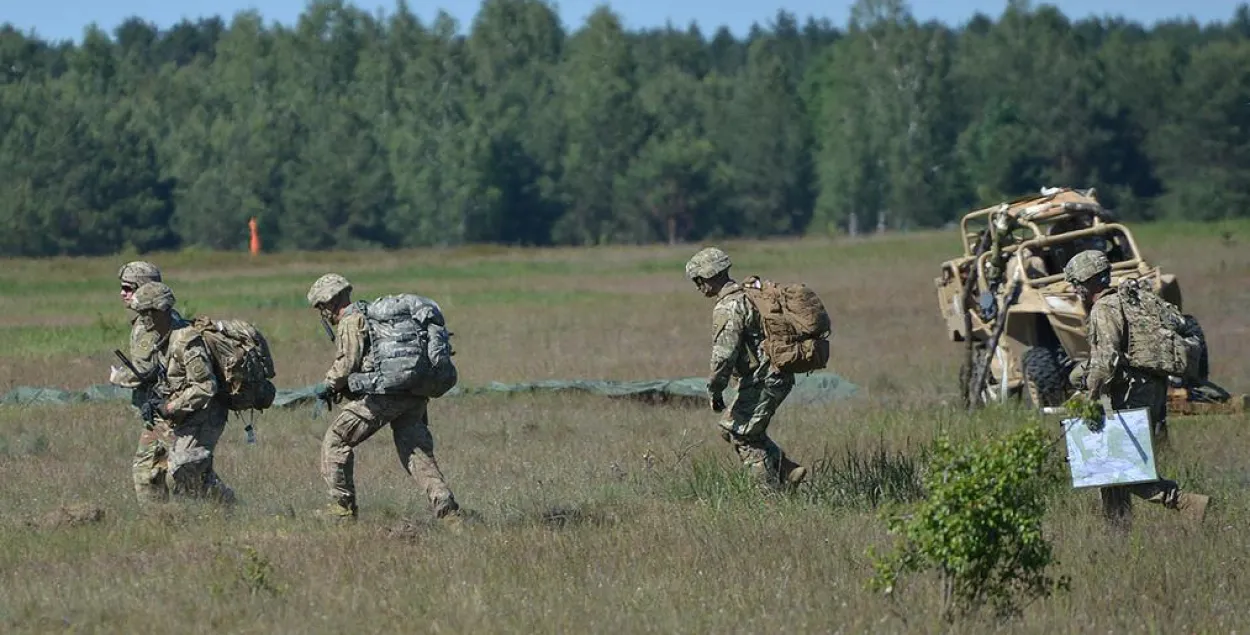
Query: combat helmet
point(707, 263)
point(326, 288)
point(152, 296)
point(1085, 266)
point(139, 272)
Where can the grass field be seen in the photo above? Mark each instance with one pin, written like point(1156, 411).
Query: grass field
point(597, 515)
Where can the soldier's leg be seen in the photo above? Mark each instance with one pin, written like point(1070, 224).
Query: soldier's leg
point(1117, 507)
point(415, 445)
point(1152, 394)
point(355, 423)
point(1168, 494)
point(191, 458)
point(149, 467)
point(746, 428)
point(1158, 395)
point(1161, 492)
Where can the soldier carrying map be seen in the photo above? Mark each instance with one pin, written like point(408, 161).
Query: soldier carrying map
point(1122, 372)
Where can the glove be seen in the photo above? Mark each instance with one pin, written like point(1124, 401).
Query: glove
point(718, 402)
point(325, 399)
point(1096, 425)
point(150, 409)
point(1098, 421)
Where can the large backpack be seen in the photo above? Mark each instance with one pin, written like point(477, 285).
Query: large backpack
point(409, 348)
point(242, 362)
point(796, 326)
point(1159, 338)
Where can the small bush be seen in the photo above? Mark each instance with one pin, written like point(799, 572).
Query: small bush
point(980, 526)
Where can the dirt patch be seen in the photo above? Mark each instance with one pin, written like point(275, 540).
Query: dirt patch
point(75, 515)
point(562, 517)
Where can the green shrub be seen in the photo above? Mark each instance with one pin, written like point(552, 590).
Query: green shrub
point(980, 528)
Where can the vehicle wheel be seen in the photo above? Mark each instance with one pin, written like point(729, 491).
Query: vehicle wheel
point(1195, 329)
point(1045, 383)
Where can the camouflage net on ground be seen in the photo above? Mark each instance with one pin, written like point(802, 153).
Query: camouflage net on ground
point(816, 388)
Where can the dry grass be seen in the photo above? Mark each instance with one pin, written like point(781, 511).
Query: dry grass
point(597, 515)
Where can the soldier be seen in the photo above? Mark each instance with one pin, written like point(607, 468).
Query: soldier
point(1107, 375)
point(183, 410)
point(149, 461)
point(738, 351)
point(365, 414)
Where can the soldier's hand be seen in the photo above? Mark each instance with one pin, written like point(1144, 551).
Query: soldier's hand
point(718, 402)
point(323, 391)
point(1096, 425)
point(151, 408)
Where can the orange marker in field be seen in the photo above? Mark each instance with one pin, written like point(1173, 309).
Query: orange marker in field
point(254, 246)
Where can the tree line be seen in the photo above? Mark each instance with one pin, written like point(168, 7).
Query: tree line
point(352, 130)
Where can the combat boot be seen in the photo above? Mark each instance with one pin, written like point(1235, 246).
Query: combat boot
point(792, 473)
point(1193, 506)
point(337, 512)
point(451, 517)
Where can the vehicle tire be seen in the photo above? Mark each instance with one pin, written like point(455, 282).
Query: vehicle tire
point(1045, 383)
point(1195, 329)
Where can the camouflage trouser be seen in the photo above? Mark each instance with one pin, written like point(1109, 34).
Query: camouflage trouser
point(745, 425)
point(359, 420)
point(179, 459)
point(1144, 392)
point(1136, 393)
point(150, 466)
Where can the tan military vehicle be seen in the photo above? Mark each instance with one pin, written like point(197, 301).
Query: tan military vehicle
point(1021, 323)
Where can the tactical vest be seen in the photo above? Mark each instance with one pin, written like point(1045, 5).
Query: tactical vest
point(1156, 333)
point(409, 350)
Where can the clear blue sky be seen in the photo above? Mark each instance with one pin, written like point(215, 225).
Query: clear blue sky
point(65, 19)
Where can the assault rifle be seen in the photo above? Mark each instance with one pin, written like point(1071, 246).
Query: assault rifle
point(144, 378)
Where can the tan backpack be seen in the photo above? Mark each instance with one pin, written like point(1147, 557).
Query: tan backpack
point(796, 326)
point(242, 362)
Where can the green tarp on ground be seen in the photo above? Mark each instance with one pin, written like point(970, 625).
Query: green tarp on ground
point(815, 388)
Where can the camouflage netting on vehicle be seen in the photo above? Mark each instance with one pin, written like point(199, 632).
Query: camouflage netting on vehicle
point(816, 388)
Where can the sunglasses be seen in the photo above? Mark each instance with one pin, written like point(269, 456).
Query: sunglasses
point(129, 288)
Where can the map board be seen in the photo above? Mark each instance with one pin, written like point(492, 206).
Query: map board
point(1119, 454)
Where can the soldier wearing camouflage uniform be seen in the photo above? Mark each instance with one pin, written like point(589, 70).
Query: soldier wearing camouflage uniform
point(1108, 377)
point(150, 455)
point(364, 414)
point(738, 352)
point(183, 412)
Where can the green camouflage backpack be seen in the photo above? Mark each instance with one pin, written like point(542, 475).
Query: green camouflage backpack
point(241, 361)
point(1159, 339)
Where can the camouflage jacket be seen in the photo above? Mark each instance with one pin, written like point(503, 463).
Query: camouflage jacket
point(737, 341)
point(1108, 340)
point(352, 337)
point(143, 355)
point(187, 384)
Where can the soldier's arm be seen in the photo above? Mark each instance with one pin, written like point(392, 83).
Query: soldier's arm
point(1106, 332)
point(142, 354)
point(728, 321)
point(200, 384)
point(351, 350)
